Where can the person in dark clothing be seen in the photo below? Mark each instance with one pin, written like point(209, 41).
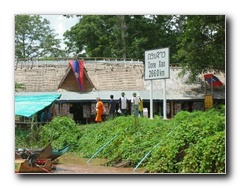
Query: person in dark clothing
point(112, 107)
point(45, 116)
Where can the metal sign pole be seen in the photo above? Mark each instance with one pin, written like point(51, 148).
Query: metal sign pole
point(164, 100)
point(151, 99)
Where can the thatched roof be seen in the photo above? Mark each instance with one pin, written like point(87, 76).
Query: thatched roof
point(130, 76)
point(114, 76)
point(105, 77)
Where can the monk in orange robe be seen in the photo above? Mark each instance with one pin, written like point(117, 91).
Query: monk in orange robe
point(99, 110)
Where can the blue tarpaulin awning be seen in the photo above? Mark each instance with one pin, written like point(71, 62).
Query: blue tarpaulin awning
point(28, 105)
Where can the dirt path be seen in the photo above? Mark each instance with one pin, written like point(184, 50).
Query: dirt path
point(72, 165)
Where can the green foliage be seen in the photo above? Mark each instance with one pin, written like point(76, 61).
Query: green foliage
point(94, 33)
point(61, 131)
point(189, 143)
point(34, 38)
point(194, 130)
point(22, 138)
point(207, 156)
point(120, 36)
point(202, 44)
point(19, 86)
point(196, 42)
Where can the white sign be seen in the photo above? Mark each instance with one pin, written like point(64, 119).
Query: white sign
point(157, 64)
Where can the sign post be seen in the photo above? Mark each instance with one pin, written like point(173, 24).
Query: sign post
point(157, 67)
point(208, 101)
point(151, 99)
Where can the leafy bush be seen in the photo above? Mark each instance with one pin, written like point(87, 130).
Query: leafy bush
point(189, 143)
point(22, 138)
point(194, 130)
point(208, 156)
point(61, 131)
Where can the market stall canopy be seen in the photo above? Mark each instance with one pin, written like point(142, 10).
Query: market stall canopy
point(28, 105)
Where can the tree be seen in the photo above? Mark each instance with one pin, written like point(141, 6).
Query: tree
point(196, 42)
point(147, 32)
point(201, 45)
point(34, 38)
point(120, 36)
point(98, 35)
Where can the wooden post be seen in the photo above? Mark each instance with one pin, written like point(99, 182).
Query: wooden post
point(172, 109)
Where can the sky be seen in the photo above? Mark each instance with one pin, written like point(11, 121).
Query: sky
point(60, 24)
point(229, 8)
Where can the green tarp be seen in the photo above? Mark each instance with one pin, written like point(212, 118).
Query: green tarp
point(28, 105)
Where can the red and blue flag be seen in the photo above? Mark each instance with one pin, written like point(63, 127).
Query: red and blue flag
point(78, 70)
point(211, 79)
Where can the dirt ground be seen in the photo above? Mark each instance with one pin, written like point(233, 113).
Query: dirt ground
point(71, 165)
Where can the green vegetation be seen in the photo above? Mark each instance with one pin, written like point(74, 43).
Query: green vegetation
point(19, 86)
point(189, 143)
point(196, 42)
point(34, 38)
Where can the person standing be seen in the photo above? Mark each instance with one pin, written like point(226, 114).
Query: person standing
point(140, 106)
point(44, 114)
point(99, 110)
point(123, 106)
point(134, 102)
point(112, 107)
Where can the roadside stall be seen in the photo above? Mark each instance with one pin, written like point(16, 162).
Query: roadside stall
point(28, 106)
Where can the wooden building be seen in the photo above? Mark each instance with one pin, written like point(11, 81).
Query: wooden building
point(105, 77)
